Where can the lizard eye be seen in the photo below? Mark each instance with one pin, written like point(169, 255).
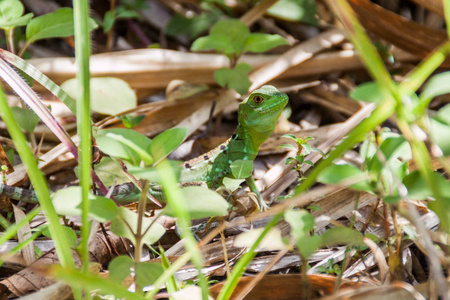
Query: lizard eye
point(258, 99)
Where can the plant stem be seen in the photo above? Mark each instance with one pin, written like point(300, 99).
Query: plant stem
point(82, 50)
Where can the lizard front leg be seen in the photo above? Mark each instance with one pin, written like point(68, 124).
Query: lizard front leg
point(252, 185)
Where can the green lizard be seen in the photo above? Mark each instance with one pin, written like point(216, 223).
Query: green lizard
point(257, 117)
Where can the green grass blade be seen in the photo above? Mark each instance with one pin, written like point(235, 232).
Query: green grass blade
point(244, 261)
point(37, 75)
point(38, 181)
point(82, 50)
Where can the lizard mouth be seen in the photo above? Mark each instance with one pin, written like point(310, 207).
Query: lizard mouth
point(275, 106)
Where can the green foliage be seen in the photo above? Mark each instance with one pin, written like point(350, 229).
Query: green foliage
point(68, 234)
point(231, 183)
point(440, 129)
point(303, 149)
point(295, 10)
point(194, 26)
point(383, 163)
point(337, 173)
point(120, 12)
point(368, 92)
point(236, 78)
point(242, 169)
point(147, 273)
point(126, 222)
point(226, 36)
point(11, 12)
point(67, 202)
point(342, 236)
point(120, 268)
point(201, 203)
point(271, 242)
point(436, 86)
point(302, 224)
point(232, 38)
point(134, 147)
point(126, 144)
point(109, 95)
point(53, 25)
point(153, 175)
point(166, 142)
point(25, 118)
point(130, 121)
point(330, 268)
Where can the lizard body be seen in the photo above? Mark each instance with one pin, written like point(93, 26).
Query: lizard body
point(257, 117)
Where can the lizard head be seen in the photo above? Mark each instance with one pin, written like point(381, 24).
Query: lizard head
point(261, 110)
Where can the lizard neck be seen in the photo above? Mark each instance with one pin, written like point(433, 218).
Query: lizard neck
point(246, 141)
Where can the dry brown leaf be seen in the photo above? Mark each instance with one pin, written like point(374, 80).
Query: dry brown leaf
point(399, 31)
point(287, 287)
point(30, 279)
point(23, 234)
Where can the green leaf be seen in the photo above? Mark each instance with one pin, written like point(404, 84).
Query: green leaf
point(147, 273)
point(193, 27)
point(124, 143)
point(221, 44)
point(110, 172)
point(22, 21)
point(108, 20)
point(67, 202)
point(308, 245)
point(442, 209)
point(130, 121)
point(288, 146)
point(314, 207)
point(290, 136)
point(166, 142)
point(26, 118)
point(120, 268)
point(317, 150)
point(201, 203)
point(260, 42)
point(308, 162)
point(306, 148)
point(123, 13)
point(109, 95)
point(10, 155)
point(290, 160)
point(226, 36)
point(300, 158)
point(56, 24)
point(337, 173)
point(436, 86)
point(231, 183)
point(368, 92)
point(70, 235)
point(151, 174)
point(119, 227)
point(444, 114)
point(295, 10)
point(235, 29)
point(342, 235)
point(301, 221)
point(242, 168)
point(392, 199)
point(272, 241)
point(418, 188)
point(236, 78)
point(10, 11)
point(440, 132)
